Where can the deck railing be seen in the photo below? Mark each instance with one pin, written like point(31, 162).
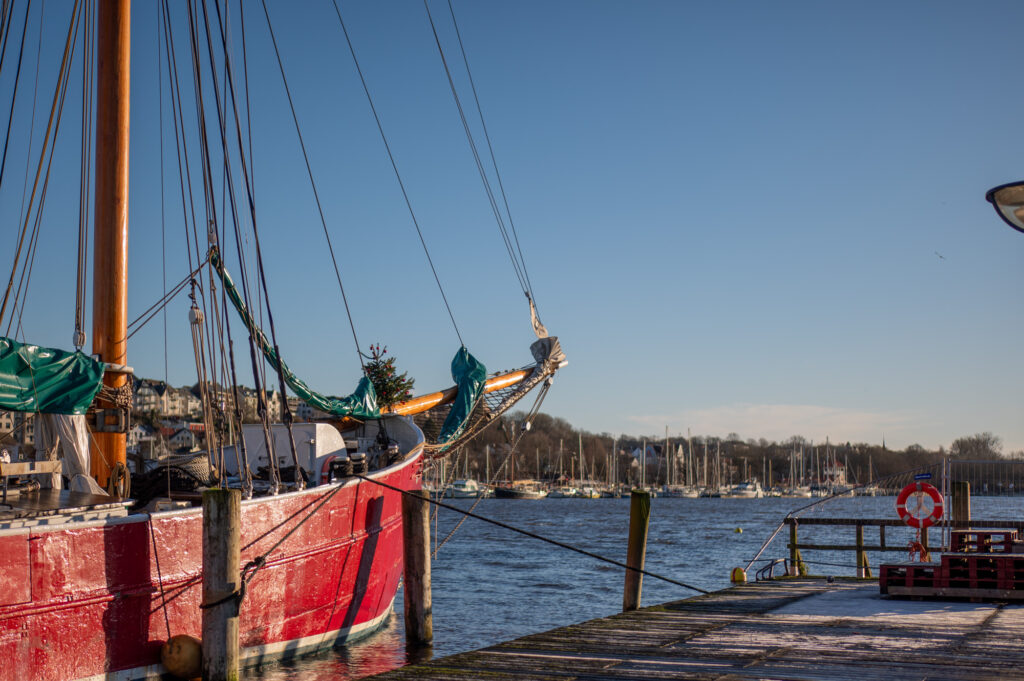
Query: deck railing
point(797, 563)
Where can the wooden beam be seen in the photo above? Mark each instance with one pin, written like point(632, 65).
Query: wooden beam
point(424, 403)
point(110, 250)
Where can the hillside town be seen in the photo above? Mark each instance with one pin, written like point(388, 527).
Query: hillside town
point(164, 420)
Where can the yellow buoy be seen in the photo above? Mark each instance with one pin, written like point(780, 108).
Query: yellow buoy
point(182, 655)
point(738, 530)
point(739, 576)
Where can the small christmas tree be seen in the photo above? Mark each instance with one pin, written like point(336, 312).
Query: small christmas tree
point(391, 387)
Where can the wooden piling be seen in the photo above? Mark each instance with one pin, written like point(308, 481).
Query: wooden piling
point(636, 551)
point(860, 550)
point(863, 568)
point(794, 551)
point(419, 618)
point(960, 490)
point(221, 579)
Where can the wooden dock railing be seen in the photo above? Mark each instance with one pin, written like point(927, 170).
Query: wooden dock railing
point(797, 563)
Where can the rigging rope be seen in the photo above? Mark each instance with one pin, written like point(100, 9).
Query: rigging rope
point(476, 157)
point(17, 79)
point(490, 149)
point(534, 410)
point(64, 78)
point(57, 100)
point(162, 303)
point(312, 182)
point(163, 209)
point(262, 402)
point(86, 178)
point(532, 535)
point(398, 176)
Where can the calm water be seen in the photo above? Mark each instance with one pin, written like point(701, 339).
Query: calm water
point(490, 585)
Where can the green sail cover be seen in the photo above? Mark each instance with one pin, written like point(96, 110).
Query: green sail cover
point(360, 404)
point(470, 376)
point(37, 379)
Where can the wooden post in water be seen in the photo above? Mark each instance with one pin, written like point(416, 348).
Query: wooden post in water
point(221, 578)
point(419, 618)
point(862, 558)
point(636, 551)
point(794, 552)
point(960, 490)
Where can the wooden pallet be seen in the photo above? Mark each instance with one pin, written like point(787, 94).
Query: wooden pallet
point(983, 541)
point(965, 575)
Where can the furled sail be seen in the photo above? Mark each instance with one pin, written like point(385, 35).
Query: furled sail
point(361, 404)
point(38, 379)
point(470, 376)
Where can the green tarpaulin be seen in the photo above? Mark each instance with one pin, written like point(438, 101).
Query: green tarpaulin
point(470, 375)
point(37, 379)
point(360, 404)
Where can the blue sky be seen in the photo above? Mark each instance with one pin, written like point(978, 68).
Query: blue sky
point(760, 218)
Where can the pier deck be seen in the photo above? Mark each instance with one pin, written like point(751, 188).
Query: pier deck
point(804, 629)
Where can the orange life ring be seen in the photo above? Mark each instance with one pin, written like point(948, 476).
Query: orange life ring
point(919, 521)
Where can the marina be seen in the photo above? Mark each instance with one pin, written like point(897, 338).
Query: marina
point(490, 587)
point(264, 271)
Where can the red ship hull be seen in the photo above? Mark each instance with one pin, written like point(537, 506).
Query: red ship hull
point(97, 599)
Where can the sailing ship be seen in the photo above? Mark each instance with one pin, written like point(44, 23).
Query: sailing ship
point(519, 489)
point(91, 585)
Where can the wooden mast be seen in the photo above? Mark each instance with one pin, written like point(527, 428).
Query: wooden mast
point(110, 251)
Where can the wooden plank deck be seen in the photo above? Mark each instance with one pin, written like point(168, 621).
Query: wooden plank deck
point(793, 629)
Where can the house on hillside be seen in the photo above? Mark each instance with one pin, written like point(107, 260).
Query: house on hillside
point(184, 439)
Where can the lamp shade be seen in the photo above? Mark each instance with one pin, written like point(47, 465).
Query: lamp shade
point(1008, 200)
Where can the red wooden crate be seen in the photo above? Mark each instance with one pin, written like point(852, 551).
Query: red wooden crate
point(912, 575)
point(983, 541)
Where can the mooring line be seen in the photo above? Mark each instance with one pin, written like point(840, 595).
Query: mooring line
point(530, 534)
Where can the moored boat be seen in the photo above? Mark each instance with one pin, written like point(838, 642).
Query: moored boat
point(463, 489)
point(749, 489)
point(562, 492)
point(66, 615)
point(91, 586)
point(520, 491)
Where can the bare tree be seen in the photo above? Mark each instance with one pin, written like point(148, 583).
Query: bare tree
point(978, 446)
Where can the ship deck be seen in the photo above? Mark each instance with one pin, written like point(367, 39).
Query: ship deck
point(51, 506)
point(806, 629)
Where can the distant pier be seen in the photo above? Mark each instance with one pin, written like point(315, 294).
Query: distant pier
point(798, 628)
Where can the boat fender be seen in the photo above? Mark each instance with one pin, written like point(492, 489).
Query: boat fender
point(182, 656)
point(911, 519)
point(739, 576)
